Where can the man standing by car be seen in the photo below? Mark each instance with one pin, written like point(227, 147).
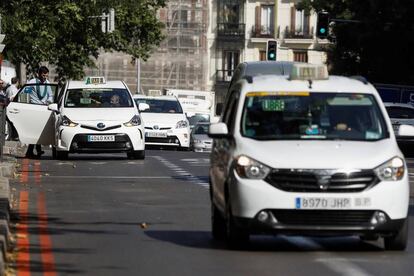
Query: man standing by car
point(39, 94)
point(12, 90)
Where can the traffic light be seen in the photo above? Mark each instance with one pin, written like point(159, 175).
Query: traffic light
point(322, 26)
point(271, 49)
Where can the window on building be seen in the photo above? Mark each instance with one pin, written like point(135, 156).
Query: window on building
point(231, 59)
point(300, 56)
point(267, 20)
point(300, 21)
point(262, 55)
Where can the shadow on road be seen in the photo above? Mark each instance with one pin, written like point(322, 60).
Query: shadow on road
point(203, 239)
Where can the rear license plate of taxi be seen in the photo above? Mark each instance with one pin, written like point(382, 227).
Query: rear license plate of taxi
point(101, 138)
point(322, 203)
point(156, 134)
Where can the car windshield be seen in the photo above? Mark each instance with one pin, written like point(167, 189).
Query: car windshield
point(201, 129)
point(98, 97)
point(197, 118)
point(400, 112)
point(161, 106)
point(304, 116)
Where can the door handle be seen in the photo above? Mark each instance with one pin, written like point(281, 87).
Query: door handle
point(14, 111)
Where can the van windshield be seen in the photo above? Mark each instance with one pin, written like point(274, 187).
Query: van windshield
point(305, 115)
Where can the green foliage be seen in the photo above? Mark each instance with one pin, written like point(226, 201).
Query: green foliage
point(67, 33)
point(378, 46)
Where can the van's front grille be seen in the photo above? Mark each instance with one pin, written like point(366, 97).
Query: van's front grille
point(323, 217)
point(321, 180)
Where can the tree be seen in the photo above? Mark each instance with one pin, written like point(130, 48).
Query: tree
point(67, 33)
point(377, 42)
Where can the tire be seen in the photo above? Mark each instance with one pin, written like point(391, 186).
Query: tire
point(236, 237)
point(399, 240)
point(137, 154)
point(54, 153)
point(218, 224)
point(62, 155)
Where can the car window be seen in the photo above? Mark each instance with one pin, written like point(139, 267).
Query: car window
point(201, 129)
point(304, 116)
point(196, 118)
point(161, 106)
point(400, 112)
point(40, 94)
point(98, 98)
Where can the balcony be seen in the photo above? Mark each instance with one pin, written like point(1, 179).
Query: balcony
point(304, 36)
point(263, 32)
point(231, 31)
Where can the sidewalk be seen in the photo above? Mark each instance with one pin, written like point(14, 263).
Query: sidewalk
point(8, 166)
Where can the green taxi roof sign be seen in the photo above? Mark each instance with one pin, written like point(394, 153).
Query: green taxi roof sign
point(95, 80)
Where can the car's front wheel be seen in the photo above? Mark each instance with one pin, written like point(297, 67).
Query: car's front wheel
point(136, 154)
point(61, 155)
point(218, 224)
point(236, 237)
point(399, 240)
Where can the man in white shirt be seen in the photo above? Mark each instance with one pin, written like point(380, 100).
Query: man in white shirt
point(12, 90)
point(39, 94)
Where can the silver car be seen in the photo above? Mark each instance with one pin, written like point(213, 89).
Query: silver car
point(199, 141)
point(401, 114)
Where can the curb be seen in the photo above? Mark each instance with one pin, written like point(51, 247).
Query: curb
point(11, 149)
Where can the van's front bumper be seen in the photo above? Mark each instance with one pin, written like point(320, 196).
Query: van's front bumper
point(261, 207)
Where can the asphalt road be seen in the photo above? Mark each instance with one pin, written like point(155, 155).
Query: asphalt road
point(108, 215)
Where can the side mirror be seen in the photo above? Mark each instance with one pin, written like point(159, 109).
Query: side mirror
point(143, 106)
point(218, 130)
point(53, 107)
point(406, 131)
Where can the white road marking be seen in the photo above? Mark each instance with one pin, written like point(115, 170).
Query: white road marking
point(340, 266)
point(183, 173)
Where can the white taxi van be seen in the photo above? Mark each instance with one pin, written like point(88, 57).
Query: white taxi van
point(165, 121)
point(90, 116)
point(307, 154)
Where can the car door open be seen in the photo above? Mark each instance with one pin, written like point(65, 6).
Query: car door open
point(33, 121)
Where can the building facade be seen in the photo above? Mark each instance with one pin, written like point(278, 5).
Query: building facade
point(242, 29)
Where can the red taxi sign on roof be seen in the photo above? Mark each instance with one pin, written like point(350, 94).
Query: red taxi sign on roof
point(95, 80)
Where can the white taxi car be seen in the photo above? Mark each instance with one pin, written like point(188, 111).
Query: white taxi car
point(308, 154)
point(91, 116)
point(165, 122)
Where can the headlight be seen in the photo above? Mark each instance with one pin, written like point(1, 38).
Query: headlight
point(182, 124)
point(196, 141)
point(67, 122)
point(392, 170)
point(135, 121)
point(249, 168)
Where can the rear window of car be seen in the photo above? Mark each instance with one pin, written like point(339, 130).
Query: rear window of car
point(400, 112)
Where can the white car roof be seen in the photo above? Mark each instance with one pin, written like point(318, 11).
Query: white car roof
point(108, 84)
point(269, 83)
